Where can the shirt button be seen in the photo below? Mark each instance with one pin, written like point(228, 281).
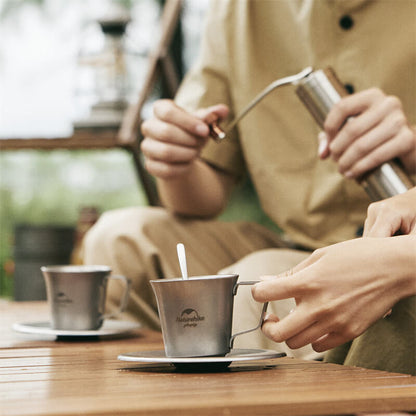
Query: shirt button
point(346, 22)
point(350, 88)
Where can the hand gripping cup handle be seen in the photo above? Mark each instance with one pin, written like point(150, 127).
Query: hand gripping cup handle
point(124, 297)
point(262, 314)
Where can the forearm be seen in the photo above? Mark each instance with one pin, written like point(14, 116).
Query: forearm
point(201, 192)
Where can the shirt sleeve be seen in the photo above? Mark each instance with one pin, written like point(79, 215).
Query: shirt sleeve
point(207, 83)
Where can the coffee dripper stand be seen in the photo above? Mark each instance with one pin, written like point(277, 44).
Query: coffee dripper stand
point(319, 91)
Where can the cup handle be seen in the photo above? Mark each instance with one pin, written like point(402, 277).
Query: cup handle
point(262, 314)
point(124, 298)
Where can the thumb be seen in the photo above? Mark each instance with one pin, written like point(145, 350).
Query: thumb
point(212, 113)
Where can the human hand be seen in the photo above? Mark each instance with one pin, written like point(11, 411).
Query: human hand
point(366, 129)
point(396, 214)
point(173, 138)
point(340, 290)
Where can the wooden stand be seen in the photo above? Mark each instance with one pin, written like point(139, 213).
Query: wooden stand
point(128, 137)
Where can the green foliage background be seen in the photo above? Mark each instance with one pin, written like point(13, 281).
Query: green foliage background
point(35, 189)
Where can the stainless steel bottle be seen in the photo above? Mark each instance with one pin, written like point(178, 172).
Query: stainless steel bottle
point(319, 91)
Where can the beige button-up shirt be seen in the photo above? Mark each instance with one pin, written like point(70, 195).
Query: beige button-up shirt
point(250, 43)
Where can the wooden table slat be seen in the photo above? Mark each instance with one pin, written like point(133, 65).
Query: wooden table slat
point(39, 377)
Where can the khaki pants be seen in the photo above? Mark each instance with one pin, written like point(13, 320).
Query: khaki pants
point(390, 344)
point(140, 243)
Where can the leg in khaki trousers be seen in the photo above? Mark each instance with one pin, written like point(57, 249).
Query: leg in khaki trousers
point(140, 243)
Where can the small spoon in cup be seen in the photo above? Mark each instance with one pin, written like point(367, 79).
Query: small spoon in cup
point(180, 248)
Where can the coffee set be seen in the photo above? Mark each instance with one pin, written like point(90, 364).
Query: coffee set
point(195, 315)
point(195, 312)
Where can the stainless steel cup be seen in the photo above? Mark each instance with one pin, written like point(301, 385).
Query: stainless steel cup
point(196, 314)
point(76, 295)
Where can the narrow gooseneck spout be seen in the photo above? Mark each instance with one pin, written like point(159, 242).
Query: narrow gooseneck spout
point(218, 134)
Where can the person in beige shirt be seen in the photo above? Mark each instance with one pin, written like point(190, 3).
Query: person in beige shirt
point(308, 190)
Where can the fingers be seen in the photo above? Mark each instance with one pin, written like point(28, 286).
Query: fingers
point(274, 288)
point(365, 130)
point(380, 229)
point(270, 318)
point(381, 221)
point(372, 150)
point(329, 341)
point(298, 332)
point(323, 149)
point(168, 112)
point(386, 218)
point(350, 106)
point(169, 133)
point(170, 154)
point(299, 329)
point(358, 123)
point(308, 335)
point(172, 123)
point(288, 327)
point(173, 138)
point(290, 284)
point(213, 113)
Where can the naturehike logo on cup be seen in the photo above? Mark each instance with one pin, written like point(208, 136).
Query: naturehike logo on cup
point(189, 317)
point(62, 300)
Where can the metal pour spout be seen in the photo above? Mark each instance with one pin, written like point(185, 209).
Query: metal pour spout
point(218, 134)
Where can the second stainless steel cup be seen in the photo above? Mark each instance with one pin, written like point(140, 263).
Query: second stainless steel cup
point(77, 294)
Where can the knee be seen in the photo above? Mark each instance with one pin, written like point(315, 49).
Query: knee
point(270, 261)
point(120, 225)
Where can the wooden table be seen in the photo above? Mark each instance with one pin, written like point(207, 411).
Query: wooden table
point(48, 377)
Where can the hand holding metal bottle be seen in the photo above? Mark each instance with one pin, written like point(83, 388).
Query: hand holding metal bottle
point(320, 91)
